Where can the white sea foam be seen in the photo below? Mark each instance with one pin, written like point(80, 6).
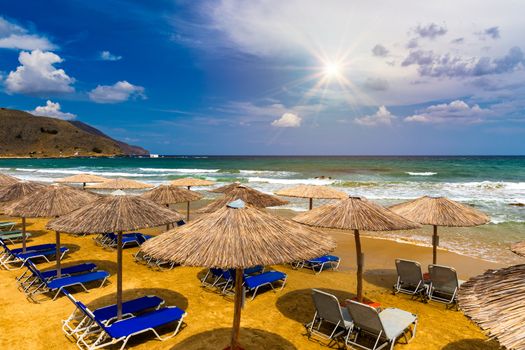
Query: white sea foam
point(277, 173)
point(179, 170)
point(291, 181)
point(424, 173)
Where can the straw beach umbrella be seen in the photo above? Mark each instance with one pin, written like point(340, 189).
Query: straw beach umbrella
point(189, 182)
point(116, 213)
point(518, 248)
point(6, 180)
point(356, 213)
point(82, 179)
point(14, 192)
point(439, 211)
point(169, 194)
point(495, 300)
point(225, 188)
point(48, 202)
point(312, 192)
point(120, 184)
point(248, 195)
point(238, 236)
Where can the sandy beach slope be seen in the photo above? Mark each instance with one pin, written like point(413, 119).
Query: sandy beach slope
point(274, 320)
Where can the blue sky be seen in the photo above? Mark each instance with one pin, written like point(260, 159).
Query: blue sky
point(274, 77)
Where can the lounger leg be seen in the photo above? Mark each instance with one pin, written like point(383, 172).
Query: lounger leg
point(255, 292)
point(284, 283)
point(335, 329)
point(377, 340)
point(312, 325)
point(321, 269)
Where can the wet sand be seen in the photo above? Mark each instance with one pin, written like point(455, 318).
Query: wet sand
point(274, 320)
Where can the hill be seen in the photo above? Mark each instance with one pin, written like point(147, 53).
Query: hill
point(25, 135)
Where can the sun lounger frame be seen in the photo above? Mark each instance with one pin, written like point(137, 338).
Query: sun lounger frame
point(313, 328)
point(103, 335)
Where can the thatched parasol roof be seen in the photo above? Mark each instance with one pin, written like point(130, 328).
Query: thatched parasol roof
point(355, 213)
point(518, 248)
point(82, 178)
point(18, 190)
point(495, 300)
point(6, 180)
point(239, 238)
point(249, 195)
point(312, 191)
point(225, 188)
point(190, 181)
point(440, 211)
point(120, 184)
point(115, 213)
point(168, 194)
point(50, 201)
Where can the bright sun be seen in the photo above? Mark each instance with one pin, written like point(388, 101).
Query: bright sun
point(332, 70)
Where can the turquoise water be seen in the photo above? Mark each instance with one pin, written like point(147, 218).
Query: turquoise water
point(491, 184)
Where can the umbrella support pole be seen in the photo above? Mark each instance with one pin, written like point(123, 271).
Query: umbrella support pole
point(435, 244)
point(311, 204)
point(57, 253)
point(188, 211)
point(360, 262)
point(119, 275)
point(237, 310)
point(24, 235)
point(167, 225)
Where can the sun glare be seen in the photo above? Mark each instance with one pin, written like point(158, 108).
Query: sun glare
point(332, 70)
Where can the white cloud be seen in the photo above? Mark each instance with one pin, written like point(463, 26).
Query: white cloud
point(52, 109)
point(431, 64)
point(288, 120)
point(379, 50)
point(108, 56)
point(37, 74)
point(456, 111)
point(13, 36)
point(377, 84)
point(381, 117)
point(430, 31)
point(119, 92)
point(492, 32)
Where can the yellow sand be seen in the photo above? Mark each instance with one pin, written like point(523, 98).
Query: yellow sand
point(274, 320)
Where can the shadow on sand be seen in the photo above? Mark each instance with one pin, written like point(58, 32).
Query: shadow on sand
point(250, 338)
point(298, 306)
point(384, 278)
point(473, 344)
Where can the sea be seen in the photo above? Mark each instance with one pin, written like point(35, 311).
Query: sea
point(493, 184)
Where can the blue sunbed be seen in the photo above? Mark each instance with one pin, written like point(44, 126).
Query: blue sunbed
point(78, 322)
point(123, 330)
point(59, 284)
point(110, 239)
point(253, 283)
point(27, 279)
point(22, 258)
point(225, 278)
point(322, 262)
point(9, 252)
